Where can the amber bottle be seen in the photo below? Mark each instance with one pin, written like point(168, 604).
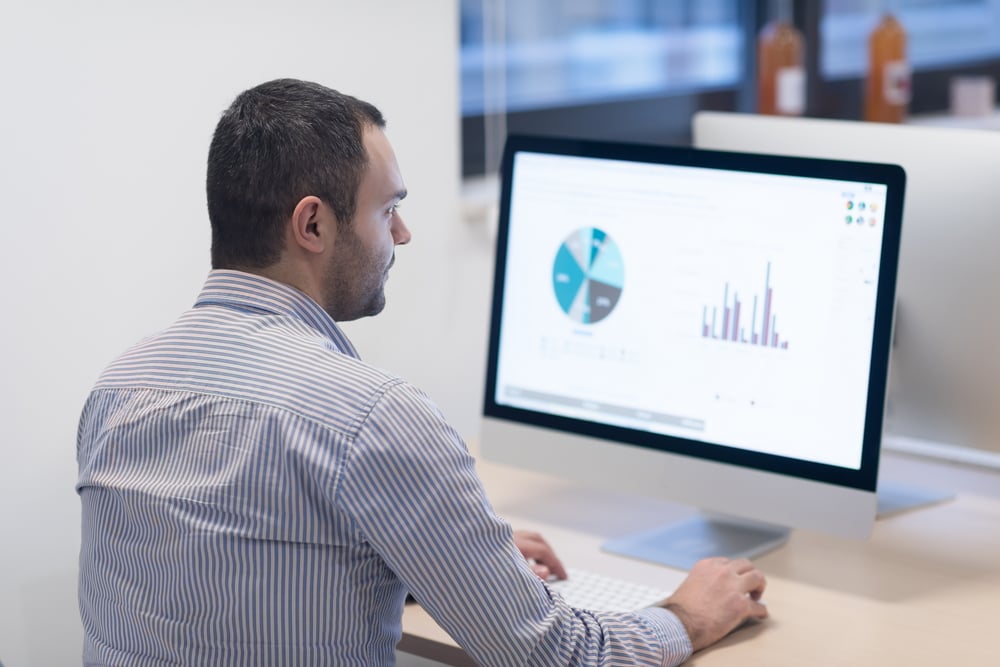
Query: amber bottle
point(887, 86)
point(781, 78)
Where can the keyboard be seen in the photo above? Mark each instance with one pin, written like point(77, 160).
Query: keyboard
point(589, 590)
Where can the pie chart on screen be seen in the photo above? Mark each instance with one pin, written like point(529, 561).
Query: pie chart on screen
point(588, 275)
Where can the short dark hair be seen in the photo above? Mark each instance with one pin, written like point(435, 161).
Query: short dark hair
point(277, 143)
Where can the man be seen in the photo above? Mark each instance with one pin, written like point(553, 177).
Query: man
point(253, 493)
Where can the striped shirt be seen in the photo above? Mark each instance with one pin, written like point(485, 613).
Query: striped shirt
point(254, 494)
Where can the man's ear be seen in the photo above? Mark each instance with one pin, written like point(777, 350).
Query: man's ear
point(313, 225)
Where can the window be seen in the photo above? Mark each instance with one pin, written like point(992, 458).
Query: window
point(635, 70)
point(940, 33)
point(567, 52)
point(555, 66)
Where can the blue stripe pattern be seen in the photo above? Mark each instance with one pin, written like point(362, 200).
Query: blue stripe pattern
point(254, 494)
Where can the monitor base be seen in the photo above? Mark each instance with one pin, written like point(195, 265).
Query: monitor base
point(896, 498)
point(684, 543)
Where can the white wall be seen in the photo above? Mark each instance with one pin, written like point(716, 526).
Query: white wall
point(106, 115)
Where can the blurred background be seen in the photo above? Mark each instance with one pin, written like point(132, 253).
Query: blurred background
point(636, 69)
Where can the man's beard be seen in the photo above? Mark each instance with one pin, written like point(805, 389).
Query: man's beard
point(349, 299)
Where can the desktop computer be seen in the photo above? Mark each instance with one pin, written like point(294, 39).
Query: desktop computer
point(944, 384)
point(708, 327)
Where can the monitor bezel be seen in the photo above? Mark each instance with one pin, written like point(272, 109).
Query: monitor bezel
point(893, 176)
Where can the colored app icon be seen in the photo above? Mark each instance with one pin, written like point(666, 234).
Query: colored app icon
point(861, 206)
point(849, 219)
point(850, 205)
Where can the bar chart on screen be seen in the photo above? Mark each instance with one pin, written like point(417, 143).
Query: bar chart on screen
point(746, 320)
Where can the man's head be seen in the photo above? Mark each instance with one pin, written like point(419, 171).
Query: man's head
point(303, 186)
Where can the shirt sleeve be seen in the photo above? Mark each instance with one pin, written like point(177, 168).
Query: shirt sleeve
point(411, 486)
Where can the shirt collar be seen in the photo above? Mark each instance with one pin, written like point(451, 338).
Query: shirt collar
point(248, 291)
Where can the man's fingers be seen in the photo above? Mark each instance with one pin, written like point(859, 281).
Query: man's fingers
point(741, 566)
point(757, 610)
point(754, 583)
point(537, 549)
point(534, 547)
point(554, 565)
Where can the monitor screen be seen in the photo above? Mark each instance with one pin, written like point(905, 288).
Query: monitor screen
point(731, 308)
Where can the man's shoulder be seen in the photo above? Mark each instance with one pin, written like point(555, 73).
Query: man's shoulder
point(270, 360)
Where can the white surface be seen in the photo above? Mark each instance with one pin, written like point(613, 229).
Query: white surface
point(942, 451)
point(108, 111)
point(990, 121)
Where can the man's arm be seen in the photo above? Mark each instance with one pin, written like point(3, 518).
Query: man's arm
point(414, 493)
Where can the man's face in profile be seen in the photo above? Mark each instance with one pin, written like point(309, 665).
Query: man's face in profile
point(364, 248)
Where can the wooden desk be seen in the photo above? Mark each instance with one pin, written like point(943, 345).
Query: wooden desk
point(925, 590)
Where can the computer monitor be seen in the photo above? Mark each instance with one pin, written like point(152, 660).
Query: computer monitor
point(944, 384)
point(711, 328)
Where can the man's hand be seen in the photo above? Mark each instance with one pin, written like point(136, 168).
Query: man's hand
point(718, 595)
point(540, 555)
